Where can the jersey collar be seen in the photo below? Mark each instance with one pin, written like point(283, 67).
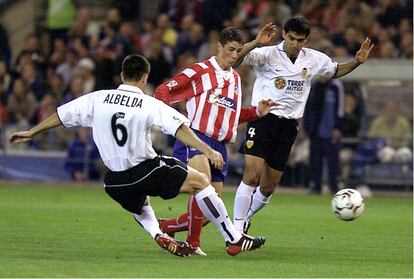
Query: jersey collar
point(130, 88)
point(213, 61)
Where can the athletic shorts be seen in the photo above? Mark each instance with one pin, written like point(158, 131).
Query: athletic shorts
point(162, 176)
point(271, 138)
point(184, 153)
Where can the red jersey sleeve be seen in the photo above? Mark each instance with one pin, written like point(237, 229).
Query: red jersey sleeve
point(248, 114)
point(178, 88)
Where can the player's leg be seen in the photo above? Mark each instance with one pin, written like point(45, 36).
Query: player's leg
point(195, 215)
point(243, 198)
point(179, 223)
point(269, 180)
point(213, 209)
point(131, 200)
point(277, 144)
point(254, 152)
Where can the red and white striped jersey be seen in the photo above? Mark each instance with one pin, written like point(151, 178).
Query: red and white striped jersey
point(213, 99)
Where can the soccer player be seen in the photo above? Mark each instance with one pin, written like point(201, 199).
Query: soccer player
point(284, 73)
point(212, 91)
point(121, 121)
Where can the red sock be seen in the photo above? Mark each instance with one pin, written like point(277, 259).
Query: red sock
point(174, 225)
point(195, 223)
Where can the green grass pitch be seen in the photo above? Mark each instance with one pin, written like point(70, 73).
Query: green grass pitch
point(73, 231)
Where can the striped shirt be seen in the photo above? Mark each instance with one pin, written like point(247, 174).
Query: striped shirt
point(213, 99)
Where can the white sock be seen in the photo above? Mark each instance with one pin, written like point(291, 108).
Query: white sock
point(214, 210)
point(242, 202)
point(258, 202)
point(148, 221)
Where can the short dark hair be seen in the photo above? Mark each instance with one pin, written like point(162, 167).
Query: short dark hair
point(299, 25)
point(231, 34)
point(134, 67)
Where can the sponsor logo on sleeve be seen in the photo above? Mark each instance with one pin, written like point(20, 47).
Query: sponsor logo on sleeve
point(172, 83)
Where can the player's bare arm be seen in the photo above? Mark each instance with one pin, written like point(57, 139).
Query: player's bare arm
point(264, 37)
point(25, 136)
point(360, 57)
point(188, 137)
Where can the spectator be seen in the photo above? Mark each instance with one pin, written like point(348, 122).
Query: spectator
point(194, 41)
point(392, 126)
point(209, 47)
point(67, 68)
point(5, 83)
point(313, 11)
point(55, 85)
point(323, 124)
point(32, 46)
point(351, 39)
point(5, 53)
point(160, 68)
point(84, 27)
point(60, 18)
point(331, 18)
point(33, 79)
point(168, 34)
point(388, 50)
point(58, 52)
point(85, 69)
point(82, 157)
point(76, 90)
point(390, 13)
point(21, 105)
point(358, 14)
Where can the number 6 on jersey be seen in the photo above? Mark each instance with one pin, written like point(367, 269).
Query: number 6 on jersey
point(115, 127)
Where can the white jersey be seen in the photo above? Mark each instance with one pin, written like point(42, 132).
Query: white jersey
point(121, 121)
point(288, 84)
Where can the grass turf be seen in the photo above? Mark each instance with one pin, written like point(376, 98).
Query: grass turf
point(72, 231)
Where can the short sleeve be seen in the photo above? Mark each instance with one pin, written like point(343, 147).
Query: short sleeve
point(167, 118)
point(257, 57)
point(78, 112)
point(327, 68)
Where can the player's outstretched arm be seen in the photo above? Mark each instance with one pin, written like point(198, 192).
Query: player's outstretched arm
point(360, 57)
point(264, 37)
point(188, 137)
point(25, 136)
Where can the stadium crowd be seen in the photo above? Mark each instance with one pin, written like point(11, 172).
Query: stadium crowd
point(71, 54)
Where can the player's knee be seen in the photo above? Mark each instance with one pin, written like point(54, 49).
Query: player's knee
point(201, 182)
point(251, 177)
point(268, 188)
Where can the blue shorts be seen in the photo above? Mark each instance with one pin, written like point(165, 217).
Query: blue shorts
point(184, 153)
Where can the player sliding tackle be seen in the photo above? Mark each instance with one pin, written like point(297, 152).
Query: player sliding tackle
point(122, 134)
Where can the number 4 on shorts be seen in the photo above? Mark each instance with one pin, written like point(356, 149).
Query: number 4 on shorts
point(252, 132)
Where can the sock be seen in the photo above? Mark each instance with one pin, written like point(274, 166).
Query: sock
point(258, 202)
point(242, 202)
point(195, 223)
point(177, 224)
point(148, 221)
point(214, 210)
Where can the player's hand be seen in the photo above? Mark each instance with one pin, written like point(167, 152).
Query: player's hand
point(266, 106)
point(215, 159)
point(363, 53)
point(20, 137)
point(266, 34)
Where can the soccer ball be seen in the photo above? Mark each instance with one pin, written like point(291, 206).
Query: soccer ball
point(348, 204)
